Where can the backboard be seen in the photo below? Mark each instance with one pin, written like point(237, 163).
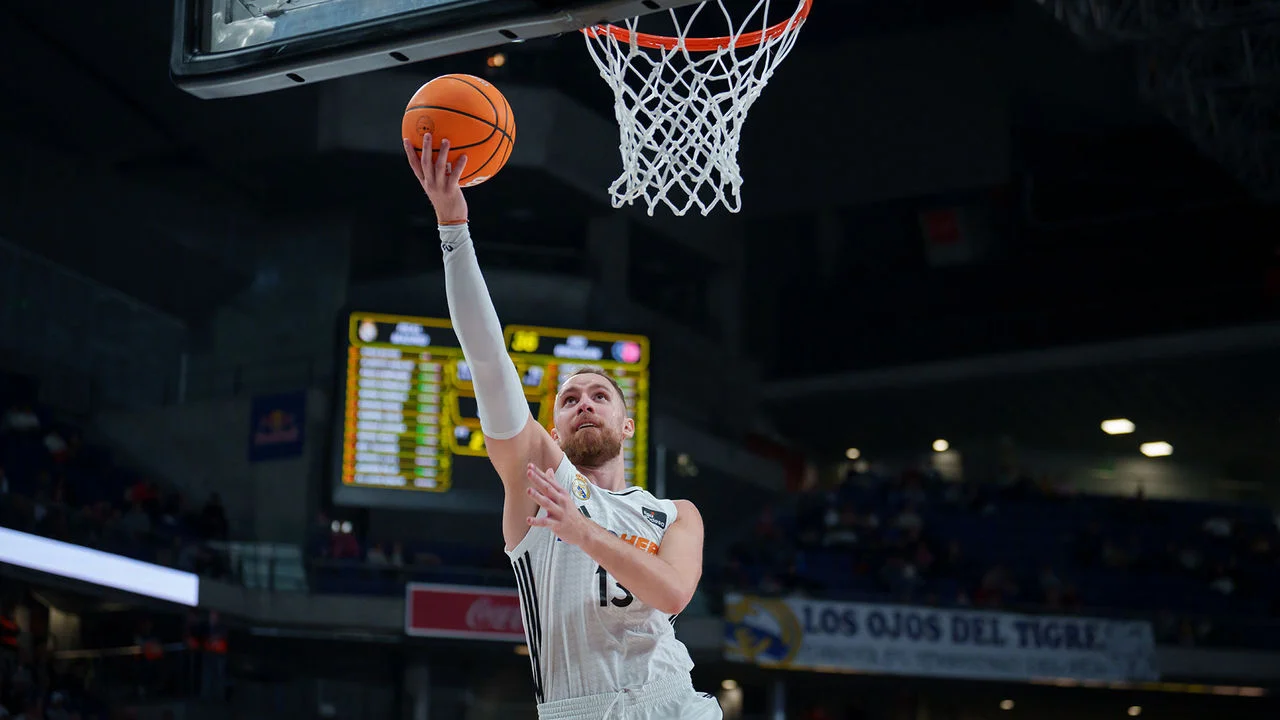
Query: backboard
point(226, 48)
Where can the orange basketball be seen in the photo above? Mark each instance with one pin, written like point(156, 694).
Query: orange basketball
point(472, 115)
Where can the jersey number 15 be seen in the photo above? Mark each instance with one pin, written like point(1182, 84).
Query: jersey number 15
point(603, 576)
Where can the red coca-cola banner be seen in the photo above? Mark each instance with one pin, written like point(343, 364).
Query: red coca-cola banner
point(462, 611)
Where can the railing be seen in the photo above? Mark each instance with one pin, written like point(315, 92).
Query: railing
point(127, 674)
point(285, 568)
point(277, 567)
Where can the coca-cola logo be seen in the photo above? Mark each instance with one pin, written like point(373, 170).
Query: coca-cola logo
point(460, 611)
point(488, 616)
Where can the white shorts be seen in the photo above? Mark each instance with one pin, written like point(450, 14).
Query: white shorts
point(669, 699)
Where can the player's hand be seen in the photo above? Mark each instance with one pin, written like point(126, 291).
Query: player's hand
point(439, 178)
point(562, 516)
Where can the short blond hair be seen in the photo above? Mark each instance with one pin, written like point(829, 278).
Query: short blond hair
point(602, 373)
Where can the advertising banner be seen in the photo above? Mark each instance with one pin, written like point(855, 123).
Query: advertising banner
point(800, 633)
point(463, 611)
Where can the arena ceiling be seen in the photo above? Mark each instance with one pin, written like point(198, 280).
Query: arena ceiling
point(136, 169)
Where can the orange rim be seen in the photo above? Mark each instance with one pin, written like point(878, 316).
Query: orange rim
point(665, 42)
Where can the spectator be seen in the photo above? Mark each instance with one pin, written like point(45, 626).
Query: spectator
point(841, 528)
point(909, 519)
point(913, 488)
point(923, 558)
point(1218, 527)
point(343, 546)
point(996, 589)
point(213, 519)
point(811, 519)
point(57, 709)
point(57, 447)
point(767, 529)
point(1190, 559)
point(20, 418)
point(795, 583)
point(319, 538)
point(143, 494)
point(377, 556)
point(900, 577)
point(136, 523)
point(1113, 557)
point(213, 682)
point(1221, 580)
point(954, 564)
point(1050, 583)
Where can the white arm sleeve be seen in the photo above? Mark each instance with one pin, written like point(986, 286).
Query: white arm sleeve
point(504, 412)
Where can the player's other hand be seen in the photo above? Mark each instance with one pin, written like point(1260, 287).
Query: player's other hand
point(439, 178)
point(563, 516)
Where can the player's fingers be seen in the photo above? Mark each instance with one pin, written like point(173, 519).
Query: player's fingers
point(547, 503)
point(424, 164)
point(539, 521)
point(460, 167)
point(415, 162)
point(442, 162)
point(547, 486)
point(536, 474)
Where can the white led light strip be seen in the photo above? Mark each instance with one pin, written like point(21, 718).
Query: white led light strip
point(97, 567)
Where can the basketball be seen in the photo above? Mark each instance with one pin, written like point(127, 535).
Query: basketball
point(474, 117)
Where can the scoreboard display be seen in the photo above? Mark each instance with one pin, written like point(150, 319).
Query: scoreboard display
point(409, 416)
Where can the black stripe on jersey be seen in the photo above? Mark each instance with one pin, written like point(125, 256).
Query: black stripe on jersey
point(529, 600)
point(672, 619)
point(624, 493)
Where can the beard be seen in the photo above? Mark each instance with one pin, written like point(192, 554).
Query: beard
point(592, 449)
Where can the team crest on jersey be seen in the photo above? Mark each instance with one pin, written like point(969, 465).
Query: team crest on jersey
point(581, 488)
point(657, 517)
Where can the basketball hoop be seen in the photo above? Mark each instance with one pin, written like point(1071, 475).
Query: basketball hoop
point(681, 102)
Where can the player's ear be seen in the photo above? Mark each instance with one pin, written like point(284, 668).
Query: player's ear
point(628, 427)
point(554, 435)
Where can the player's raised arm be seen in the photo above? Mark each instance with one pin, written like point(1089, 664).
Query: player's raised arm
point(512, 436)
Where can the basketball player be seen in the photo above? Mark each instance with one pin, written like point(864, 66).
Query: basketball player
point(602, 569)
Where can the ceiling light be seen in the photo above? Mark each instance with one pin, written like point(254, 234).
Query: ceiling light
point(1156, 449)
point(1006, 704)
point(853, 453)
point(729, 685)
point(1135, 710)
point(496, 60)
point(1117, 426)
point(941, 445)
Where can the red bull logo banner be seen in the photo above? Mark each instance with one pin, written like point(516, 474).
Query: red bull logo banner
point(803, 634)
point(463, 611)
point(277, 426)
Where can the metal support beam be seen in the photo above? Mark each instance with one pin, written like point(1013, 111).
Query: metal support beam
point(1129, 21)
point(1222, 341)
point(1221, 89)
point(1211, 66)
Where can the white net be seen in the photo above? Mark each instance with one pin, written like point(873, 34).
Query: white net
point(681, 103)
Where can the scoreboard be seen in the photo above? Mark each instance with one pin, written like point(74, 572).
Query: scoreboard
point(409, 416)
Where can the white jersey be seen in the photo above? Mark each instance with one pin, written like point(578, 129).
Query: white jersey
point(587, 634)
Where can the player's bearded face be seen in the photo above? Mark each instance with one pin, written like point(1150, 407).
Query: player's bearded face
point(591, 422)
point(594, 446)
